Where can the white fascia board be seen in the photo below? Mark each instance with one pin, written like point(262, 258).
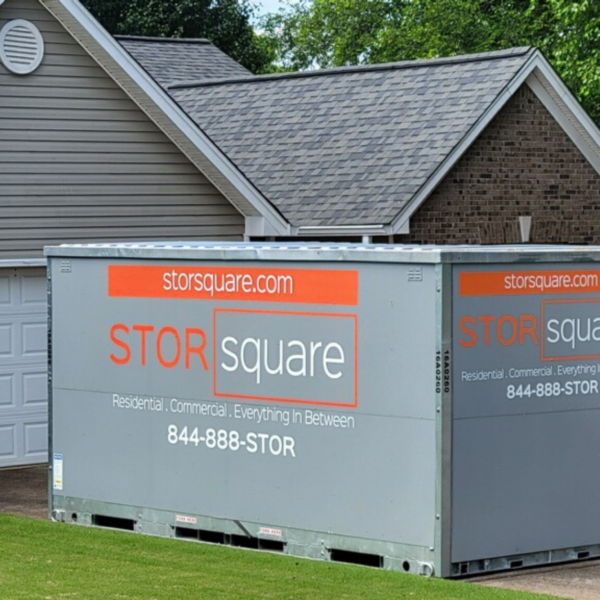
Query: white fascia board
point(340, 230)
point(168, 108)
point(401, 229)
point(402, 220)
point(259, 227)
point(15, 263)
point(566, 110)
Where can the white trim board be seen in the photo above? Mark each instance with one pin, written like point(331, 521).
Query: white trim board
point(18, 263)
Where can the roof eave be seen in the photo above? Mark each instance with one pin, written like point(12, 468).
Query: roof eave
point(167, 115)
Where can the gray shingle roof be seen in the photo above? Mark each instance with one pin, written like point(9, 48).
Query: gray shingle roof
point(169, 60)
point(349, 146)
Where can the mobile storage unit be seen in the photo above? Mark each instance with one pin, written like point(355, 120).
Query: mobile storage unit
point(427, 409)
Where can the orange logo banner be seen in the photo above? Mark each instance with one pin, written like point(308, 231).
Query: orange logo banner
point(508, 283)
point(248, 284)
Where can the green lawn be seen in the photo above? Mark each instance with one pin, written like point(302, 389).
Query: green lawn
point(40, 560)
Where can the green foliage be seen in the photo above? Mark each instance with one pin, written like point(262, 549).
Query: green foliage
point(325, 33)
point(226, 23)
point(280, 33)
point(572, 44)
point(42, 560)
point(449, 27)
point(328, 33)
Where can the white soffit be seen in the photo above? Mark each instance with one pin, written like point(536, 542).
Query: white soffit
point(21, 46)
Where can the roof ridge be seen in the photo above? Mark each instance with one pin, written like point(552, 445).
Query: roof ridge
point(169, 40)
point(406, 64)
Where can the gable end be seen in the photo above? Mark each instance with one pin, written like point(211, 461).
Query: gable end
point(523, 164)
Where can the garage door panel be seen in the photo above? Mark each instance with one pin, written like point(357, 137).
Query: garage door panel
point(25, 442)
point(26, 387)
point(7, 341)
point(25, 290)
point(34, 338)
point(8, 392)
point(23, 367)
point(33, 289)
point(5, 291)
point(8, 443)
point(35, 440)
point(35, 389)
point(23, 338)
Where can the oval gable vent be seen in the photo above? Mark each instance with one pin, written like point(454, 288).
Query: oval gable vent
point(21, 47)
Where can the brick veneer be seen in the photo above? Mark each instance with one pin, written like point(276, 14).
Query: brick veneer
point(522, 164)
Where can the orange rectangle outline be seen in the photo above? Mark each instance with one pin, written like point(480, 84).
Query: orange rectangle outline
point(352, 316)
point(555, 358)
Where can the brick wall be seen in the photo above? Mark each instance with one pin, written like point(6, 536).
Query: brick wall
point(522, 164)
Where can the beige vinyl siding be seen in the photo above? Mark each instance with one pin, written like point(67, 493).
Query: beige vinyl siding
point(79, 161)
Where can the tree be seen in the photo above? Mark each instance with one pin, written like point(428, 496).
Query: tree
point(226, 23)
point(327, 33)
point(572, 45)
point(431, 28)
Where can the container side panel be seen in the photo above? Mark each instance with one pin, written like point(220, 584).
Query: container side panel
point(526, 409)
point(275, 410)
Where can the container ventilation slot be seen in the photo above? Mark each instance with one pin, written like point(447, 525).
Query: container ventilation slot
point(271, 545)
point(113, 522)
point(356, 558)
point(186, 534)
point(21, 47)
point(241, 541)
point(213, 537)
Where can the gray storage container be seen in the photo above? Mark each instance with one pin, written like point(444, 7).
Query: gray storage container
point(426, 409)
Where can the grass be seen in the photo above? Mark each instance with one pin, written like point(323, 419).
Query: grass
point(40, 560)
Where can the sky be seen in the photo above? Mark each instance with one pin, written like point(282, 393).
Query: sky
point(267, 6)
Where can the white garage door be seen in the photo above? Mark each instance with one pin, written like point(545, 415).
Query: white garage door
point(23, 367)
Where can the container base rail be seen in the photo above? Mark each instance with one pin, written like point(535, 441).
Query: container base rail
point(300, 543)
